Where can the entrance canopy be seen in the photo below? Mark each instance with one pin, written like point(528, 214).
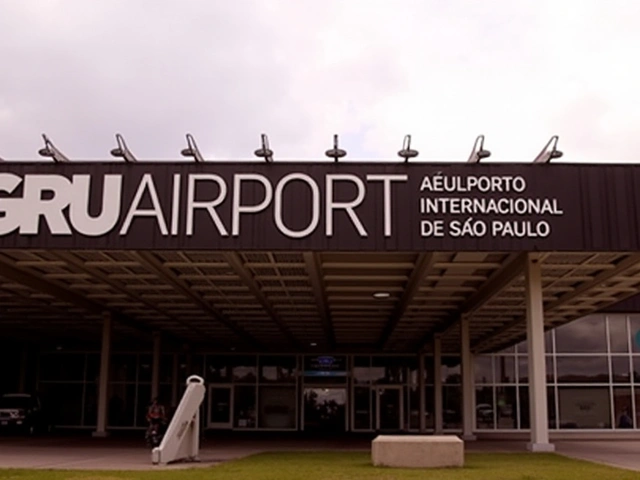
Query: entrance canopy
point(310, 257)
point(300, 301)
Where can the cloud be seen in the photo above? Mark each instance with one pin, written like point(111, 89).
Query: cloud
point(371, 71)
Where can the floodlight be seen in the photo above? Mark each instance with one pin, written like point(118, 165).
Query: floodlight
point(51, 151)
point(192, 149)
point(335, 152)
point(546, 155)
point(478, 152)
point(406, 151)
point(122, 150)
point(265, 152)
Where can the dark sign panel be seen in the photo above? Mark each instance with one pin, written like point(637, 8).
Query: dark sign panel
point(319, 206)
point(325, 366)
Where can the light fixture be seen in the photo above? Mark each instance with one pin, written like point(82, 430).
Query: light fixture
point(313, 344)
point(478, 152)
point(122, 150)
point(335, 152)
point(381, 295)
point(265, 152)
point(51, 151)
point(406, 151)
point(546, 155)
point(192, 149)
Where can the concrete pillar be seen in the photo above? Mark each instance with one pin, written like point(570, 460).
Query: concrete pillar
point(421, 393)
point(174, 380)
point(437, 385)
point(155, 365)
point(537, 364)
point(103, 382)
point(467, 381)
point(24, 368)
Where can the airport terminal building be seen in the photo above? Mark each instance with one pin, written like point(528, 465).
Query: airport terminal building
point(480, 299)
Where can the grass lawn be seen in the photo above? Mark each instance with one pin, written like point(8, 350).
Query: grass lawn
point(356, 466)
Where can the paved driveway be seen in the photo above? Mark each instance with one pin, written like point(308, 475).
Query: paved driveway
point(622, 454)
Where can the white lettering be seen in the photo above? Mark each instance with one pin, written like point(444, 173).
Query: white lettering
point(238, 208)
point(315, 205)
point(34, 206)
point(175, 206)
point(210, 205)
point(432, 228)
point(10, 211)
point(347, 206)
point(147, 183)
point(387, 179)
point(110, 211)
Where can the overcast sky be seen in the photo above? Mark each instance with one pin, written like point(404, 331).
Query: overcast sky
point(301, 70)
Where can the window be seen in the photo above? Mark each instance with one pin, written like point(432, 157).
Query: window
point(484, 408)
point(584, 407)
point(483, 366)
point(582, 369)
point(634, 333)
point(278, 369)
point(622, 405)
point(586, 335)
point(618, 334)
point(505, 369)
point(621, 369)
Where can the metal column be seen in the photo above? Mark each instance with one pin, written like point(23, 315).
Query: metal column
point(103, 385)
point(537, 364)
point(437, 385)
point(467, 381)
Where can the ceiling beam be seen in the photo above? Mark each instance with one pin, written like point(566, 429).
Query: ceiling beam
point(237, 265)
point(10, 271)
point(75, 262)
point(423, 264)
point(150, 261)
point(629, 262)
point(314, 267)
point(511, 268)
point(608, 273)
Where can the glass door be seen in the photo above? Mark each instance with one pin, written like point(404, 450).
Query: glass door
point(220, 406)
point(325, 409)
point(389, 409)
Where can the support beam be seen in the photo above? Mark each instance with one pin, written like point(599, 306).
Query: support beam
point(174, 380)
point(236, 263)
point(150, 261)
point(421, 393)
point(437, 385)
point(467, 381)
point(608, 273)
point(70, 259)
point(512, 268)
point(314, 268)
point(537, 364)
point(629, 262)
point(103, 382)
point(24, 368)
point(155, 368)
point(423, 264)
point(9, 270)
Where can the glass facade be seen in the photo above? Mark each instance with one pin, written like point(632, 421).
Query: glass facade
point(593, 378)
point(592, 365)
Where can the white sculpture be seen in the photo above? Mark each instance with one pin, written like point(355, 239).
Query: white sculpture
point(182, 439)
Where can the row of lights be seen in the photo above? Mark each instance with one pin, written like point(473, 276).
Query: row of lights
point(265, 152)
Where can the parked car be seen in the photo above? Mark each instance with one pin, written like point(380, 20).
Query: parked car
point(22, 412)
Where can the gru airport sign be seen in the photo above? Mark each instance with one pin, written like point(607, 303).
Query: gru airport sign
point(323, 206)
